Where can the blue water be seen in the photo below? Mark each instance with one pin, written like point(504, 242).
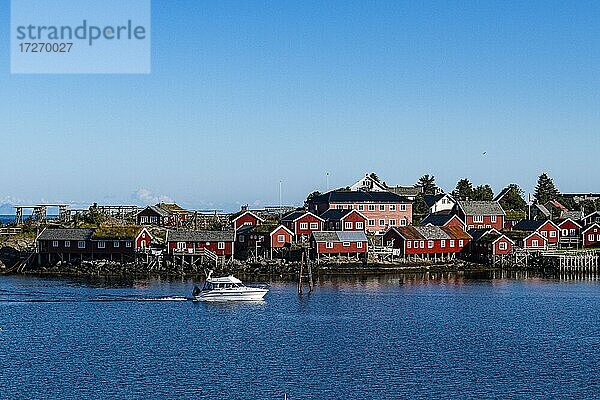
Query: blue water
point(417, 337)
point(7, 219)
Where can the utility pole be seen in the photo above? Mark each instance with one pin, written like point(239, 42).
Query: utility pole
point(280, 199)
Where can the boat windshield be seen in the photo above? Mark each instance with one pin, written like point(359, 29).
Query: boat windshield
point(212, 286)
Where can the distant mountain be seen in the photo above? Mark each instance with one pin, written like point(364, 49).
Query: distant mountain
point(7, 209)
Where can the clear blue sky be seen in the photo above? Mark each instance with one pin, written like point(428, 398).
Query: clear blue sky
point(244, 94)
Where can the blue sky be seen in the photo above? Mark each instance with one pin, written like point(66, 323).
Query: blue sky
point(245, 94)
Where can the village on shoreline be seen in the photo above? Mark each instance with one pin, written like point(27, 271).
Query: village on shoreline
point(365, 226)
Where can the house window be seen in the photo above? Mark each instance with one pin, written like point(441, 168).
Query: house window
point(534, 243)
point(347, 225)
point(430, 244)
point(461, 243)
point(314, 226)
point(101, 244)
point(565, 232)
point(494, 218)
point(552, 234)
point(340, 207)
point(154, 220)
point(360, 225)
point(443, 243)
point(392, 207)
point(128, 243)
point(371, 207)
point(361, 207)
point(477, 218)
point(392, 222)
point(359, 245)
point(502, 245)
point(81, 244)
point(470, 227)
point(143, 220)
point(402, 207)
point(116, 244)
point(572, 232)
point(329, 245)
point(221, 246)
point(67, 243)
point(303, 225)
point(382, 222)
point(452, 243)
point(591, 238)
point(371, 222)
point(382, 207)
point(402, 222)
point(408, 244)
point(544, 233)
point(241, 238)
point(281, 238)
point(422, 244)
point(55, 243)
point(346, 244)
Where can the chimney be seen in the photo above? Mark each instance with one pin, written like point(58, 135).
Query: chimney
point(245, 207)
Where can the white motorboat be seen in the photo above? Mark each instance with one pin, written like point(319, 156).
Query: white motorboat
point(227, 288)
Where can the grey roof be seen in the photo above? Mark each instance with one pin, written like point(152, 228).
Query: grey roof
point(481, 207)
point(340, 236)
point(528, 225)
point(200, 236)
point(409, 191)
point(476, 234)
point(335, 214)
point(574, 215)
point(439, 219)
point(340, 196)
point(431, 199)
point(160, 211)
point(502, 193)
point(432, 232)
point(293, 215)
point(543, 209)
point(74, 234)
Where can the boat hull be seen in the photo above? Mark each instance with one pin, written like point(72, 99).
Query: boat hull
point(232, 295)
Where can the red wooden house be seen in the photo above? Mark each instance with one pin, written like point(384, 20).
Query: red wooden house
point(548, 229)
point(303, 224)
point(245, 218)
point(592, 218)
point(427, 241)
point(489, 242)
point(340, 243)
point(528, 240)
point(195, 242)
point(480, 214)
point(344, 220)
point(591, 236)
point(570, 232)
point(67, 244)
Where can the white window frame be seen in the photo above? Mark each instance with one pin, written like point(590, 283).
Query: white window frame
point(359, 245)
point(361, 207)
point(101, 244)
point(402, 207)
point(329, 245)
point(371, 222)
point(221, 246)
point(304, 225)
point(430, 244)
point(314, 226)
point(55, 243)
point(461, 243)
point(591, 237)
point(392, 207)
point(452, 243)
point(382, 207)
point(371, 207)
point(360, 225)
point(477, 219)
point(402, 222)
point(502, 246)
point(408, 244)
point(552, 234)
point(67, 243)
point(128, 244)
point(535, 243)
point(494, 218)
point(422, 244)
point(116, 244)
point(181, 245)
point(241, 238)
point(443, 243)
point(280, 238)
point(346, 244)
point(81, 244)
point(348, 225)
point(392, 222)
point(382, 222)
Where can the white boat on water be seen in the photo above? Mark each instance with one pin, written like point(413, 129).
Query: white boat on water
point(227, 288)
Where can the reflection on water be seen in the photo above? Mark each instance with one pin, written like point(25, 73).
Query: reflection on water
point(492, 334)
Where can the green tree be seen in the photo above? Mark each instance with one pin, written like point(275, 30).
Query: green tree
point(311, 196)
point(545, 190)
point(483, 193)
point(420, 208)
point(513, 199)
point(94, 216)
point(428, 183)
point(463, 190)
point(374, 176)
